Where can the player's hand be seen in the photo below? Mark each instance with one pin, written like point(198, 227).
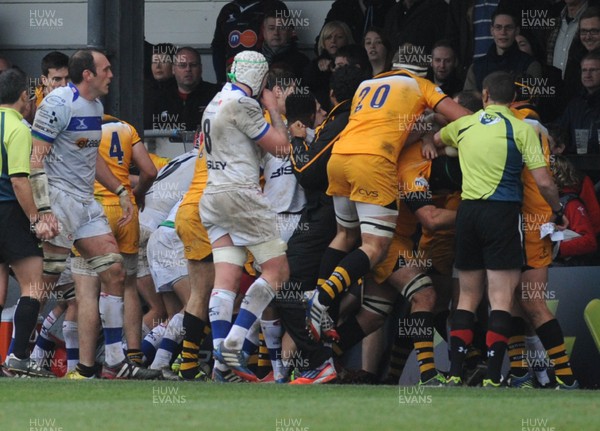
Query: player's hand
point(297, 130)
point(561, 224)
point(268, 99)
point(46, 227)
point(325, 65)
point(428, 149)
point(126, 207)
point(140, 198)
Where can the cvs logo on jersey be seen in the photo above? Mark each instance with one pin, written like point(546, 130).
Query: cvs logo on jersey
point(368, 193)
point(283, 170)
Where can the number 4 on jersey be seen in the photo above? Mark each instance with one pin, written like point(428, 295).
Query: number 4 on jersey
point(115, 148)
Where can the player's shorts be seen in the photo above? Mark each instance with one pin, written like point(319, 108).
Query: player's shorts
point(363, 178)
point(127, 236)
point(245, 214)
point(192, 233)
point(287, 224)
point(77, 219)
point(399, 254)
point(488, 235)
point(165, 259)
point(538, 251)
point(16, 239)
point(438, 247)
point(143, 269)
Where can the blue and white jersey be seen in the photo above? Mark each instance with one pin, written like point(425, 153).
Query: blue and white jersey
point(73, 125)
point(171, 183)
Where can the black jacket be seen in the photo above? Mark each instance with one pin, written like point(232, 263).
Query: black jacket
point(310, 161)
point(582, 117)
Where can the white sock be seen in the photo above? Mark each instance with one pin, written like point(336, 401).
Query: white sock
point(534, 344)
point(43, 343)
point(71, 343)
point(220, 310)
point(259, 296)
point(272, 331)
point(173, 336)
point(111, 315)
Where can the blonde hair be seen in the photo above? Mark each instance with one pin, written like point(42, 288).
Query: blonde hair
point(328, 29)
point(565, 174)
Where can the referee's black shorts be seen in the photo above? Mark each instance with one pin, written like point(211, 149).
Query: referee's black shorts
point(489, 235)
point(16, 239)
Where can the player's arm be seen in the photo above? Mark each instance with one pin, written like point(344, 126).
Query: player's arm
point(38, 186)
point(276, 140)
point(108, 180)
point(147, 175)
point(549, 192)
point(450, 109)
point(433, 218)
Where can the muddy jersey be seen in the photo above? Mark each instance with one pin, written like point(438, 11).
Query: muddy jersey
point(73, 126)
point(231, 124)
point(171, 183)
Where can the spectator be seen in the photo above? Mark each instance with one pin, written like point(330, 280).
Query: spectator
point(443, 70)
point(55, 73)
point(378, 49)
point(237, 29)
point(360, 15)
point(503, 55)
point(560, 38)
point(548, 93)
point(582, 116)
point(279, 46)
point(588, 40)
point(4, 64)
point(333, 36)
point(182, 108)
point(353, 55)
point(419, 22)
point(162, 80)
point(576, 250)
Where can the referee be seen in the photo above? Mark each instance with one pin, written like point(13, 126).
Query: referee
point(19, 219)
point(492, 147)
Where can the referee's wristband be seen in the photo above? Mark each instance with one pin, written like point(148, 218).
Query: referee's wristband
point(120, 190)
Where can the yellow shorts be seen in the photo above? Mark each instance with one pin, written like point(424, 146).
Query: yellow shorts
point(438, 247)
point(538, 251)
point(400, 247)
point(190, 230)
point(363, 178)
point(128, 236)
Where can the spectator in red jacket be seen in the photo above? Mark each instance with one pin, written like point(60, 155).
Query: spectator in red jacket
point(578, 250)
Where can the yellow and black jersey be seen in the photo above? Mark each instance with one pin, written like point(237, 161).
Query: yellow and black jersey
point(384, 110)
point(116, 148)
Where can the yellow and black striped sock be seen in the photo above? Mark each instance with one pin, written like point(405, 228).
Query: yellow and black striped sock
point(135, 356)
point(421, 323)
point(551, 337)
point(264, 361)
point(516, 348)
point(195, 331)
point(353, 266)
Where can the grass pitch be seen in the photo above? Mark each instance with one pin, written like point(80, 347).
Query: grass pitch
point(60, 405)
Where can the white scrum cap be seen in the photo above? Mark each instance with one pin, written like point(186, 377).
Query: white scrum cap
point(249, 68)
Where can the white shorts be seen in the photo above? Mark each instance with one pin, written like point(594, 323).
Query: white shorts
point(165, 259)
point(245, 214)
point(66, 277)
point(287, 224)
point(76, 219)
point(143, 269)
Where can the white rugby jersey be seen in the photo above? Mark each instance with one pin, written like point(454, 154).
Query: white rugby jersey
point(73, 125)
point(171, 183)
point(231, 124)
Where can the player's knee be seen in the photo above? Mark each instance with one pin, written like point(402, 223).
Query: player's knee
point(424, 299)
point(378, 309)
point(109, 264)
point(54, 264)
point(419, 290)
